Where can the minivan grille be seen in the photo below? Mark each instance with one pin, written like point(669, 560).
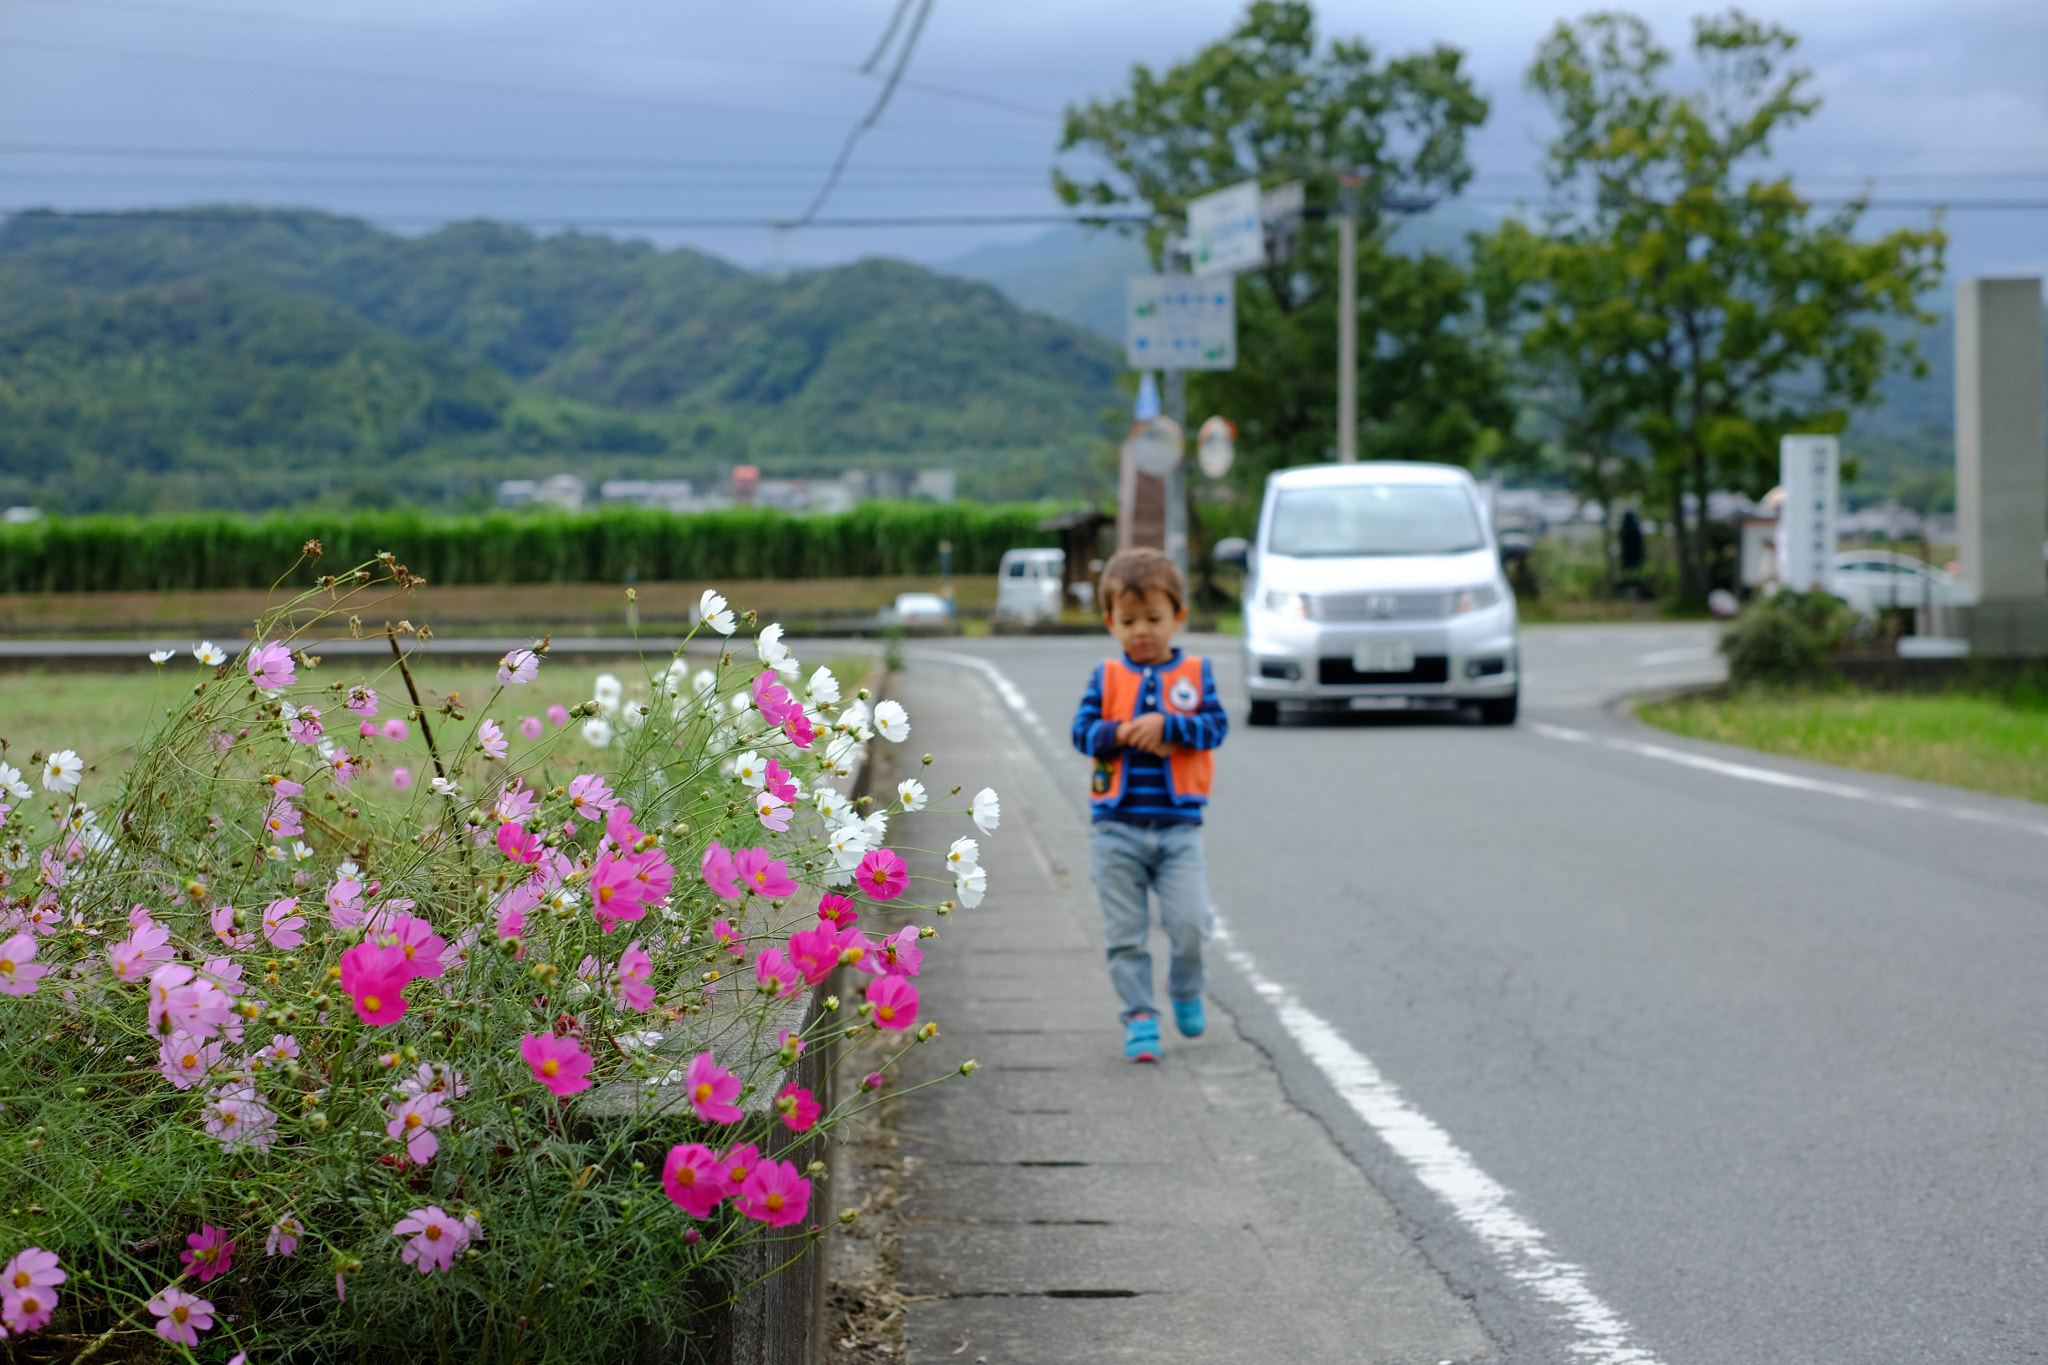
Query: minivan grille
point(1390, 606)
point(1429, 668)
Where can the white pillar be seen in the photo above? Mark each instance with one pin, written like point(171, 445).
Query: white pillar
point(2002, 438)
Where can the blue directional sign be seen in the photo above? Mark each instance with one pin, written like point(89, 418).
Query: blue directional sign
point(1180, 322)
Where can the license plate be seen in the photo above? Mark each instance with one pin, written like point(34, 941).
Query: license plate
point(1379, 703)
point(1390, 656)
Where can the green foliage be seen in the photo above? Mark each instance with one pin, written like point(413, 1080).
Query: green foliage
point(1268, 103)
point(1683, 312)
point(1786, 638)
point(88, 554)
point(243, 350)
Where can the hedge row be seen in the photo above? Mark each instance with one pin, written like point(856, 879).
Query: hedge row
point(87, 554)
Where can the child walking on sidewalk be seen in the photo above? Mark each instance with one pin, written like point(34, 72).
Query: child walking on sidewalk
point(1151, 721)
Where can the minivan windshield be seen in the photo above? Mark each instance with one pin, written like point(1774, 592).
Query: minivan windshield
point(1375, 519)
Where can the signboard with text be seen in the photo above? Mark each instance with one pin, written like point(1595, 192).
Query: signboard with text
point(1226, 232)
point(1810, 470)
point(1180, 322)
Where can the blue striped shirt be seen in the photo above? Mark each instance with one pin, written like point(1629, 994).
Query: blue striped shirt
point(1146, 799)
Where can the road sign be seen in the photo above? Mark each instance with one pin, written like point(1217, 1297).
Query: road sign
point(1157, 445)
point(1810, 468)
point(1225, 231)
point(1180, 322)
point(1216, 446)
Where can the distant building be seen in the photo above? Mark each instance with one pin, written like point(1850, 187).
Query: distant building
point(563, 491)
point(672, 495)
point(16, 516)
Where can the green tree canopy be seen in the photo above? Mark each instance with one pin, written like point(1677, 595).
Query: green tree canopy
point(1679, 309)
point(1268, 102)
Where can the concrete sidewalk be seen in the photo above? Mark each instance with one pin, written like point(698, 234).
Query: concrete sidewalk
point(1065, 1205)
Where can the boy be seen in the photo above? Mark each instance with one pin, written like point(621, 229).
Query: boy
point(1150, 720)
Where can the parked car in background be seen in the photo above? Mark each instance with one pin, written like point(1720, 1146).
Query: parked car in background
point(919, 609)
point(1376, 586)
point(1872, 580)
point(1028, 585)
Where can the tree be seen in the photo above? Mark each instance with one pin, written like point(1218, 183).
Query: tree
point(1688, 312)
point(1265, 103)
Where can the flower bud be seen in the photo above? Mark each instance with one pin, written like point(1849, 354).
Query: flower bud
point(816, 1168)
point(318, 1122)
point(848, 1215)
point(929, 1031)
point(831, 1002)
point(871, 1082)
point(969, 1067)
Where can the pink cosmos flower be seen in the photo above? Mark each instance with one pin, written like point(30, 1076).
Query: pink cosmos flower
point(558, 1063)
point(18, 969)
point(773, 699)
point(719, 872)
point(837, 908)
point(693, 1179)
point(772, 812)
point(416, 940)
point(712, 1090)
point(800, 731)
point(815, 951)
point(775, 974)
point(529, 727)
point(738, 1163)
point(237, 1116)
point(362, 701)
point(181, 1317)
point(519, 844)
point(270, 666)
point(635, 971)
point(434, 1078)
point(882, 875)
point(346, 767)
point(282, 1048)
point(775, 1194)
point(306, 727)
point(211, 1252)
point(654, 875)
point(345, 903)
point(199, 1007)
point(620, 829)
point(895, 1002)
point(394, 728)
point(32, 1266)
point(401, 778)
point(162, 982)
point(777, 780)
point(367, 729)
point(413, 1122)
point(373, 977)
point(762, 875)
point(26, 1310)
point(518, 668)
point(614, 893)
point(857, 952)
point(281, 820)
point(222, 919)
point(728, 938)
point(284, 1236)
point(515, 802)
point(184, 1060)
point(558, 715)
point(900, 954)
point(437, 1238)
point(590, 798)
point(491, 738)
point(791, 1047)
point(798, 1108)
point(282, 923)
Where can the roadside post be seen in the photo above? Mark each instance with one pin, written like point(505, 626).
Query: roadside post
point(1810, 470)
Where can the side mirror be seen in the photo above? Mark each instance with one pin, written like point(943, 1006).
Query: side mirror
point(1235, 551)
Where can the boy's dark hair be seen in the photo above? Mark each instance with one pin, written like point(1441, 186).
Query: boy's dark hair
point(1142, 571)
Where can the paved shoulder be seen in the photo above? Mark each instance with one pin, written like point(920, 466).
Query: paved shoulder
point(1067, 1206)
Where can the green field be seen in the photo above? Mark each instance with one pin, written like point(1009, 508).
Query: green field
point(1979, 740)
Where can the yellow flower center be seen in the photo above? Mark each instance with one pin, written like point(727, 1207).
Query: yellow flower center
point(703, 1092)
point(372, 1003)
point(739, 1174)
point(413, 1120)
point(189, 1060)
point(21, 1280)
point(180, 1313)
point(773, 1203)
point(6, 966)
point(433, 1232)
point(686, 1177)
point(887, 1012)
point(550, 1068)
point(31, 1304)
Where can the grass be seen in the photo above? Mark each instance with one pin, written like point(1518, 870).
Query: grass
point(1980, 740)
point(103, 715)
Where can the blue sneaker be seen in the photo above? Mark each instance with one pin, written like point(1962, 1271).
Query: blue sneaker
point(1189, 1017)
point(1141, 1038)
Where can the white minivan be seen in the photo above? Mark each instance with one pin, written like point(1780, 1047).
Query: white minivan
point(1028, 585)
point(1376, 586)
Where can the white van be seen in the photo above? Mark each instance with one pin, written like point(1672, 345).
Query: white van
point(1376, 586)
point(1028, 585)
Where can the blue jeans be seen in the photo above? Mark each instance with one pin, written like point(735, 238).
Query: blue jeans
point(1127, 860)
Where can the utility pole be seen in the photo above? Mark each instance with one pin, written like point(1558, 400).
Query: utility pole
point(1347, 318)
point(1175, 403)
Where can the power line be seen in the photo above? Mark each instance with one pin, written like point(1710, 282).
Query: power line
point(543, 44)
point(524, 220)
point(903, 56)
point(258, 154)
point(867, 67)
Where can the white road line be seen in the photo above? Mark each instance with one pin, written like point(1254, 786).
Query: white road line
point(1749, 772)
point(1691, 655)
point(1480, 1202)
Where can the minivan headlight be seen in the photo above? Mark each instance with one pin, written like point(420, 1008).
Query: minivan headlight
point(1475, 599)
point(1287, 604)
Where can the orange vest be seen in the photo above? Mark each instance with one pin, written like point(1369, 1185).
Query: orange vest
point(1188, 771)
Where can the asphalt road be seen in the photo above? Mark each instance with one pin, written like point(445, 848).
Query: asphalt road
point(1756, 1045)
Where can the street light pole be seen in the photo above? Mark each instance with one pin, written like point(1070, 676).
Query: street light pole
point(1347, 318)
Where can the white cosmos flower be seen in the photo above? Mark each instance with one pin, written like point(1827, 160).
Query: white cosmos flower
point(640, 1041)
point(300, 852)
point(704, 683)
point(14, 855)
point(160, 657)
point(823, 688)
point(963, 856)
point(768, 644)
point(878, 827)
point(713, 612)
point(970, 886)
point(606, 692)
point(634, 714)
point(855, 718)
point(10, 778)
point(443, 787)
point(62, 771)
point(741, 703)
point(848, 843)
point(829, 802)
point(209, 653)
point(597, 732)
point(911, 792)
point(95, 839)
point(987, 810)
point(892, 722)
point(751, 769)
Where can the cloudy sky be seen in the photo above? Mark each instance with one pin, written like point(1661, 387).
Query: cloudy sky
point(698, 123)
